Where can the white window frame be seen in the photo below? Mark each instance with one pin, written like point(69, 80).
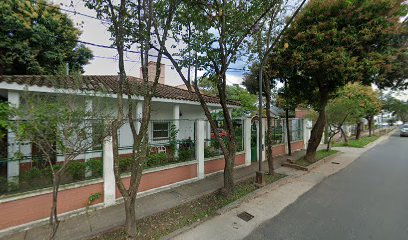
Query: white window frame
point(156, 139)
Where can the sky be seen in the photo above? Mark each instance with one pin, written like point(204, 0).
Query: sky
point(94, 31)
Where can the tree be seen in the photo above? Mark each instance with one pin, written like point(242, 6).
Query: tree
point(335, 42)
point(36, 38)
point(351, 103)
point(60, 123)
point(397, 107)
point(246, 100)
point(218, 30)
point(235, 93)
point(371, 106)
point(131, 25)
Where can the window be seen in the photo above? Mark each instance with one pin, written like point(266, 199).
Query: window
point(160, 131)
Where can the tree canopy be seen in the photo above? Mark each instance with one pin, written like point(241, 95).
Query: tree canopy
point(235, 93)
point(334, 42)
point(36, 38)
point(397, 107)
point(353, 102)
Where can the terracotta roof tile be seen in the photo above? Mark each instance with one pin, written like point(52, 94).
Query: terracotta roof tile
point(104, 83)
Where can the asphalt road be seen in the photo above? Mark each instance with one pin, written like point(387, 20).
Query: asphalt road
point(366, 200)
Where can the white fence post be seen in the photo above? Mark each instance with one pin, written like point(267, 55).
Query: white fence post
point(13, 167)
point(247, 141)
point(307, 126)
point(176, 117)
point(200, 148)
point(285, 135)
point(109, 187)
point(88, 153)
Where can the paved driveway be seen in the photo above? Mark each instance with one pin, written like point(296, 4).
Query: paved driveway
point(366, 200)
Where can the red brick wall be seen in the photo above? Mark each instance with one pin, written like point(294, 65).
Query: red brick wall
point(278, 150)
point(297, 145)
point(29, 209)
point(25, 210)
point(162, 178)
point(218, 164)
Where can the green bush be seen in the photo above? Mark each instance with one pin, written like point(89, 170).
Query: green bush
point(47, 173)
point(239, 147)
point(157, 159)
point(209, 152)
point(76, 170)
point(35, 178)
point(96, 167)
point(30, 175)
point(3, 185)
point(124, 164)
point(186, 155)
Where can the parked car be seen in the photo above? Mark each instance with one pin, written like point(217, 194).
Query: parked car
point(404, 130)
point(221, 132)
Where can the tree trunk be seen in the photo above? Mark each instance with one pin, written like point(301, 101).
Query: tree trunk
point(229, 169)
point(54, 221)
point(344, 136)
point(130, 210)
point(358, 130)
point(318, 128)
point(370, 125)
point(288, 131)
point(326, 134)
point(328, 142)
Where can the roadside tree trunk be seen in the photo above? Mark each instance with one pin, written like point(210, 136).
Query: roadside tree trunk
point(229, 170)
point(358, 130)
point(370, 125)
point(318, 128)
point(54, 221)
point(344, 136)
point(130, 210)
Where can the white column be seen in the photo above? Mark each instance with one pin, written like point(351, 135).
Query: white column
point(176, 122)
point(208, 126)
point(88, 153)
point(285, 135)
point(307, 126)
point(264, 124)
point(139, 113)
point(200, 148)
point(257, 140)
point(247, 141)
point(13, 167)
point(109, 187)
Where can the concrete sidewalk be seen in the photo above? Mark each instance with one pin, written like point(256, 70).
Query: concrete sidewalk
point(270, 200)
point(85, 225)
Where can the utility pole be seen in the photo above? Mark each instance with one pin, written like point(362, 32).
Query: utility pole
point(259, 178)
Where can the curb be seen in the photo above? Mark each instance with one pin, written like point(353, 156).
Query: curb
point(313, 165)
point(233, 205)
point(278, 183)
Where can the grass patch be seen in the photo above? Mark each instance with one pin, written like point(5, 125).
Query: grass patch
point(357, 143)
point(166, 222)
point(319, 155)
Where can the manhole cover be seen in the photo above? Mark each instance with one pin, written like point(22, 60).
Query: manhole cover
point(335, 162)
point(245, 216)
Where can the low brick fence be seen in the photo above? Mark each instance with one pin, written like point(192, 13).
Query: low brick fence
point(17, 210)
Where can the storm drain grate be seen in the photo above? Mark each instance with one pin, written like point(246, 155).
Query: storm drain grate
point(335, 163)
point(245, 216)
